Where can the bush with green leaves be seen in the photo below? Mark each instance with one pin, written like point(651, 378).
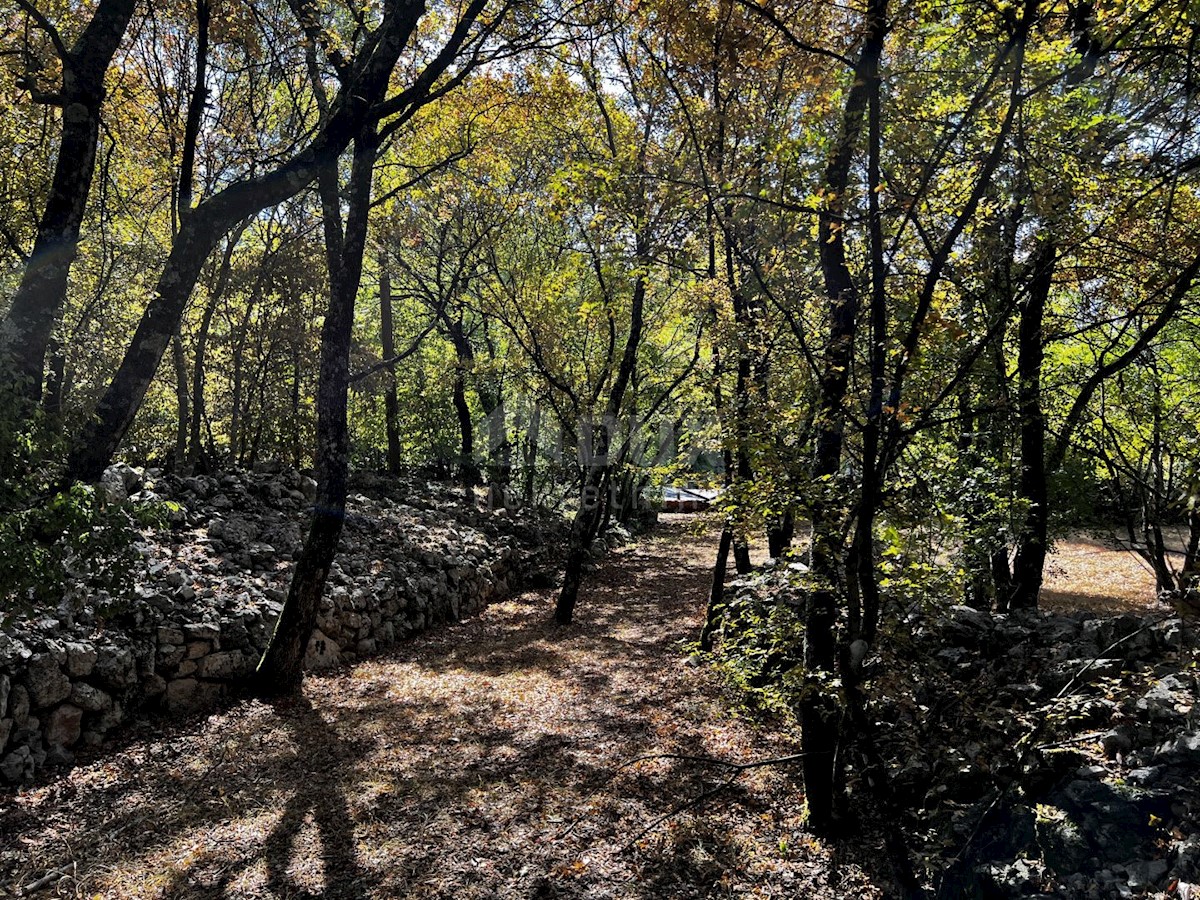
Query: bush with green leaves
point(73, 544)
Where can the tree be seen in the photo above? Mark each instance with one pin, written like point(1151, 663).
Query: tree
point(26, 330)
point(361, 99)
point(281, 667)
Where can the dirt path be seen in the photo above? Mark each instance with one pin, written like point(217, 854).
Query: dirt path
point(477, 762)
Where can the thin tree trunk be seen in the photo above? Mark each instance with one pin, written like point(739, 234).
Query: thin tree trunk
point(200, 363)
point(596, 469)
point(182, 403)
point(391, 403)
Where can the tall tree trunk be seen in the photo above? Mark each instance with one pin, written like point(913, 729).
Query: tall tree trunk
point(468, 471)
point(280, 669)
point(1033, 541)
point(1031, 422)
point(391, 403)
point(595, 478)
point(820, 713)
point(183, 404)
point(26, 330)
point(200, 363)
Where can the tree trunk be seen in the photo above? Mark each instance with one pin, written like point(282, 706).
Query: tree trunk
point(199, 364)
point(280, 669)
point(183, 406)
point(596, 468)
point(1033, 542)
point(716, 592)
point(820, 712)
point(391, 403)
point(468, 471)
point(583, 528)
point(780, 534)
point(1035, 533)
point(26, 330)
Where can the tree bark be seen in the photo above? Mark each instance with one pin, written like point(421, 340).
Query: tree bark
point(716, 592)
point(183, 411)
point(820, 713)
point(199, 364)
point(468, 471)
point(1031, 422)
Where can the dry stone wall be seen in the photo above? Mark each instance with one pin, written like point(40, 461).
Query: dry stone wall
point(209, 589)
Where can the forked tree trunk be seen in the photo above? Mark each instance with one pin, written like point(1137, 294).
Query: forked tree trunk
point(820, 713)
point(595, 480)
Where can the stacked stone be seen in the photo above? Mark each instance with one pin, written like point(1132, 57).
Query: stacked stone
point(211, 587)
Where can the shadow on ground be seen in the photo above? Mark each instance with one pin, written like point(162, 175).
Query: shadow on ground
point(489, 759)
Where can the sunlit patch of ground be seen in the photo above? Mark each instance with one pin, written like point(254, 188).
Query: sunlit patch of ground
point(1091, 572)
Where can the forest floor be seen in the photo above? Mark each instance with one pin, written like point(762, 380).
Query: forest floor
point(489, 759)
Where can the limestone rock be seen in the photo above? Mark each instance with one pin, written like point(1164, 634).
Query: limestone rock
point(63, 726)
point(18, 704)
point(46, 682)
point(89, 698)
point(322, 652)
point(115, 666)
point(190, 695)
point(81, 659)
point(227, 664)
point(18, 766)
